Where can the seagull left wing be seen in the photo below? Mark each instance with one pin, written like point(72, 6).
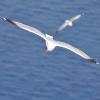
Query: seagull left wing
point(25, 27)
point(75, 50)
point(62, 26)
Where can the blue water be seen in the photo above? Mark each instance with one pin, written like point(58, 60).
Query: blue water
point(28, 72)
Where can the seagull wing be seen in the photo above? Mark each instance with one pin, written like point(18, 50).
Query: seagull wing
point(75, 50)
point(75, 18)
point(25, 27)
point(62, 26)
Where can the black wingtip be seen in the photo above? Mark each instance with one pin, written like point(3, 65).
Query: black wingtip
point(3, 18)
point(93, 61)
point(8, 20)
point(56, 31)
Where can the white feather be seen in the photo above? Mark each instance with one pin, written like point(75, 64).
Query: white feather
point(75, 18)
point(68, 22)
point(50, 42)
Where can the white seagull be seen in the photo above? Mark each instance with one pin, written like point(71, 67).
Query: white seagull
point(50, 42)
point(68, 22)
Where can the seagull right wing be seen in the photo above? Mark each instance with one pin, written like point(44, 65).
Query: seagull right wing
point(75, 50)
point(75, 18)
point(25, 27)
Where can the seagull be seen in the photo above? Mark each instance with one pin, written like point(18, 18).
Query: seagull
point(68, 22)
point(51, 43)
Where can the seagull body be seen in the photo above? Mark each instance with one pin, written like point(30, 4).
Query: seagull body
point(68, 22)
point(50, 42)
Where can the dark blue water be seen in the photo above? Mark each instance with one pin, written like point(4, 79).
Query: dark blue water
point(28, 72)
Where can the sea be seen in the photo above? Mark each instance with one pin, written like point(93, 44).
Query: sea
point(28, 71)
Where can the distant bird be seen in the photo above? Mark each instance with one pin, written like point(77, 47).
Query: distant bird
point(68, 22)
point(50, 42)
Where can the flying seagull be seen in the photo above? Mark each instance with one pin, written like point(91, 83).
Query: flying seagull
point(50, 42)
point(68, 22)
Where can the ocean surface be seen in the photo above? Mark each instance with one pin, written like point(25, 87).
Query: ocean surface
point(28, 72)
